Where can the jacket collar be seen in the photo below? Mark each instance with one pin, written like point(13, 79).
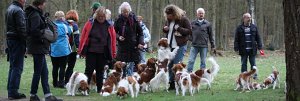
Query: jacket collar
point(198, 23)
point(17, 4)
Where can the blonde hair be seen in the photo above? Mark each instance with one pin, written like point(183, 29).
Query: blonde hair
point(124, 5)
point(59, 15)
point(174, 10)
point(101, 9)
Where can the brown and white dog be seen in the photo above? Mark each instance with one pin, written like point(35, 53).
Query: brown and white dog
point(255, 86)
point(164, 56)
point(213, 71)
point(93, 82)
point(272, 79)
point(147, 74)
point(113, 79)
point(128, 84)
point(77, 82)
point(182, 79)
point(197, 79)
point(243, 81)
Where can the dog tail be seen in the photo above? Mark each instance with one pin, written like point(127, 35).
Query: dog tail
point(252, 71)
point(215, 68)
point(72, 79)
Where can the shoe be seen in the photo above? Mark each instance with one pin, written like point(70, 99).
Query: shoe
point(18, 96)
point(34, 98)
point(52, 98)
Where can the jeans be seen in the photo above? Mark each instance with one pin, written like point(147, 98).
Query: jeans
point(143, 57)
point(244, 58)
point(40, 73)
point(128, 70)
point(16, 51)
point(95, 61)
point(193, 54)
point(71, 64)
point(178, 58)
point(59, 66)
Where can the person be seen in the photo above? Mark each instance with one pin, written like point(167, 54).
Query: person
point(97, 45)
point(201, 33)
point(147, 38)
point(38, 46)
point(108, 17)
point(94, 7)
point(246, 42)
point(130, 38)
point(15, 37)
point(60, 50)
point(177, 29)
point(72, 19)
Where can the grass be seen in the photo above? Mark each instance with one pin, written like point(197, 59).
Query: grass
point(222, 87)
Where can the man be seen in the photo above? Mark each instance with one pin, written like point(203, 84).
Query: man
point(246, 42)
point(38, 47)
point(201, 33)
point(15, 37)
point(147, 38)
point(177, 29)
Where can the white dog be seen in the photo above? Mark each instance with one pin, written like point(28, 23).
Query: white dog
point(212, 72)
point(183, 79)
point(128, 84)
point(77, 82)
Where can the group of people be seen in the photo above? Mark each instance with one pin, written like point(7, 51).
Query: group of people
point(103, 40)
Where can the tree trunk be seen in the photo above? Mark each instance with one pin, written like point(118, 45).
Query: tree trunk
point(292, 33)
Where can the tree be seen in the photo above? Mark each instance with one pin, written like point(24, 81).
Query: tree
point(292, 33)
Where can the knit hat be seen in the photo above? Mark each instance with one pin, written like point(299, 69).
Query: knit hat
point(96, 5)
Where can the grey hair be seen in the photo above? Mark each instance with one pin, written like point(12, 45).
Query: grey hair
point(100, 10)
point(125, 5)
point(200, 9)
point(247, 15)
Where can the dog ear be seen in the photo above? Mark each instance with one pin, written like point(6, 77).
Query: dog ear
point(184, 65)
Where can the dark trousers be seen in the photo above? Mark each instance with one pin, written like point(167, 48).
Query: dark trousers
point(16, 51)
point(40, 73)
point(59, 65)
point(95, 61)
point(244, 59)
point(71, 65)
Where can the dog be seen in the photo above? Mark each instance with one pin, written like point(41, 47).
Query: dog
point(147, 74)
point(243, 81)
point(182, 79)
point(197, 79)
point(272, 79)
point(213, 71)
point(110, 84)
point(255, 86)
point(77, 82)
point(93, 82)
point(164, 51)
point(128, 84)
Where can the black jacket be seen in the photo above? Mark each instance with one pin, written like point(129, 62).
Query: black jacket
point(15, 22)
point(36, 43)
point(239, 40)
point(202, 34)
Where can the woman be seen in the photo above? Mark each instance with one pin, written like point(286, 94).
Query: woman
point(72, 18)
point(97, 45)
point(177, 29)
point(60, 50)
point(130, 38)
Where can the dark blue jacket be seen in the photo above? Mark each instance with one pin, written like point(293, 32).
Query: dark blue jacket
point(239, 40)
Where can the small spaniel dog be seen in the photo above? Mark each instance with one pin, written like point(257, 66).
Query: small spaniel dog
point(113, 79)
point(182, 79)
point(243, 81)
point(164, 51)
point(147, 74)
point(213, 71)
point(77, 82)
point(272, 79)
point(197, 79)
point(255, 86)
point(128, 84)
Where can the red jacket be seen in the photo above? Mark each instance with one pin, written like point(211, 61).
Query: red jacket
point(84, 39)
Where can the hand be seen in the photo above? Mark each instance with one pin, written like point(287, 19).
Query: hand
point(121, 38)
point(214, 50)
point(166, 28)
point(176, 26)
point(140, 46)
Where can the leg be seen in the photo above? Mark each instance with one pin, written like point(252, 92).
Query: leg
point(203, 54)
point(252, 63)
point(44, 76)
point(178, 58)
point(244, 63)
point(129, 68)
point(16, 51)
point(193, 54)
point(90, 63)
point(55, 64)
point(131, 90)
point(62, 69)
point(100, 63)
point(71, 65)
point(143, 57)
point(38, 65)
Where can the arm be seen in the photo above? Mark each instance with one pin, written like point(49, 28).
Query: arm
point(35, 23)
point(166, 24)
point(20, 23)
point(236, 40)
point(185, 29)
point(117, 27)
point(211, 36)
point(147, 35)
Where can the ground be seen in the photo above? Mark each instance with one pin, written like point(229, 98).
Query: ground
point(222, 87)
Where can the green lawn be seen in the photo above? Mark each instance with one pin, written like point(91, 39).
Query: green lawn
point(222, 87)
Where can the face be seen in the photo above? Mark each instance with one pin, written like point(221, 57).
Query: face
point(200, 15)
point(170, 17)
point(101, 17)
point(139, 19)
point(247, 19)
point(23, 2)
point(125, 12)
point(42, 6)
